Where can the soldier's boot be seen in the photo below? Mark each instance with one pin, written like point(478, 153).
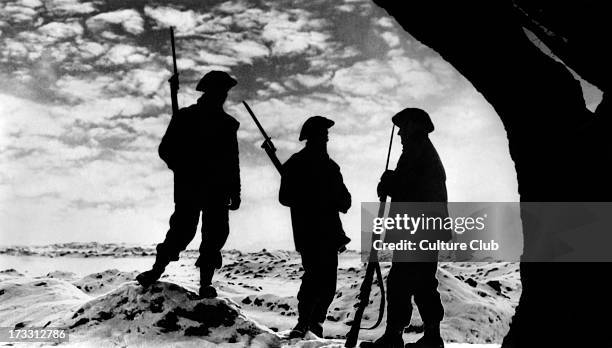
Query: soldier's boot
point(390, 339)
point(206, 288)
point(147, 278)
point(431, 338)
point(317, 329)
point(299, 331)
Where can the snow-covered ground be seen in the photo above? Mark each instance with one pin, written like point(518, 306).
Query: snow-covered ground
point(89, 288)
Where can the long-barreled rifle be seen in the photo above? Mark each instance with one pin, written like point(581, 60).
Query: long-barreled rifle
point(174, 79)
point(165, 147)
point(267, 144)
point(372, 267)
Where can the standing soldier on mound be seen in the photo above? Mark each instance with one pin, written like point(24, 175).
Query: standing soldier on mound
point(312, 186)
point(201, 148)
point(418, 177)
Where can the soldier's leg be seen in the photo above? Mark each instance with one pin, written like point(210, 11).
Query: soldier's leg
point(215, 230)
point(327, 268)
point(307, 295)
point(427, 299)
point(400, 288)
point(183, 224)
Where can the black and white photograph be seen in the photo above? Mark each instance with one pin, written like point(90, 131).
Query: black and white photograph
point(305, 173)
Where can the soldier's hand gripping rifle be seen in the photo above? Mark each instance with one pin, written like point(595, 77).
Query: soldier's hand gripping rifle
point(372, 267)
point(267, 145)
point(174, 79)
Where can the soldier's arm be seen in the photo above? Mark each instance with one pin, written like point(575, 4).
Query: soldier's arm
point(168, 144)
point(285, 194)
point(235, 166)
point(343, 195)
point(386, 184)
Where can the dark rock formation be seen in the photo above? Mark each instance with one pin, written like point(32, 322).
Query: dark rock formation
point(560, 149)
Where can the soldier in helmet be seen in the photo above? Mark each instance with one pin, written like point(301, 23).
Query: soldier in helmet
point(312, 186)
point(200, 146)
point(418, 177)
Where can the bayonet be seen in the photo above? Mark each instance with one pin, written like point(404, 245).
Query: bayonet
point(267, 144)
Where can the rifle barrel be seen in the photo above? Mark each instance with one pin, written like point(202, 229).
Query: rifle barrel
point(267, 145)
point(389, 152)
point(173, 50)
point(261, 129)
point(174, 83)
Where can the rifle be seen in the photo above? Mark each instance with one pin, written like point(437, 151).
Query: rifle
point(366, 286)
point(267, 145)
point(174, 79)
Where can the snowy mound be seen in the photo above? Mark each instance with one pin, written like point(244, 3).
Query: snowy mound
point(105, 281)
point(26, 302)
point(165, 314)
point(170, 312)
point(477, 300)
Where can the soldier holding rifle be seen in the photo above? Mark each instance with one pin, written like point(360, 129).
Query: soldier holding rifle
point(312, 186)
point(200, 146)
point(418, 177)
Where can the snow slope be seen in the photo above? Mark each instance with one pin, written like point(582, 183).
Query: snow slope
point(257, 305)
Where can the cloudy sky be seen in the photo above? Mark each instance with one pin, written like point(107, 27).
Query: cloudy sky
point(84, 102)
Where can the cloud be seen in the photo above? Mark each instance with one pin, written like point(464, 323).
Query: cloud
point(384, 22)
point(18, 14)
point(293, 33)
point(55, 160)
point(30, 3)
point(130, 20)
point(345, 8)
point(334, 57)
point(233, 7)
point(390, 38)
point(311, 81)
point(69, 7)
point(369, 77)
point(96, 182)
point(89, 49)
point(21, 117)
point(216, 59)
point(249, 18)
point(247, 50)
point(124, 54)
point(396, 76)
point(165, 17)
point(60, 31)
point(84, 88)
point(14, 49)
point(145, 82)
point(273, 89)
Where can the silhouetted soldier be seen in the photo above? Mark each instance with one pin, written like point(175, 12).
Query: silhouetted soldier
point(418, 177)
point(201, 148)
point(312, 186)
